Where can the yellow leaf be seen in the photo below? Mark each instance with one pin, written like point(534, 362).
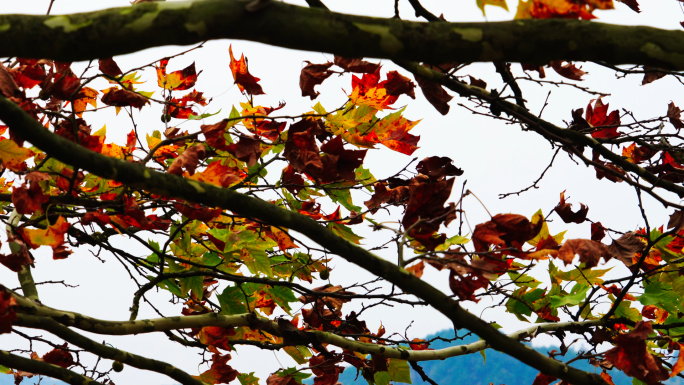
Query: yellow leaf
point(498, 3)
point(12, 156)
point(53, 236)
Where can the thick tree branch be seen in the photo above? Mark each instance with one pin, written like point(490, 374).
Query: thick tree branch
point(170, 185)
point(119, 31)
point(39, 367)
point(105, 351)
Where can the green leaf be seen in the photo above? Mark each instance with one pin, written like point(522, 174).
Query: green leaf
point(196, 284)
point(4, 369)
point(484, 356)
point(282, 296)
point(581, 276)
point(232, 301)
point(455, 240)
point(655, 294)
point(364, 176)
point(167, 284)
point(248, 379)
point(293, 373)
point(382, 378)
point(298, 353)
point(234, 114)
point(523, 280)
point(257, 262)
point(319, 109)
point(576, 296)
point(399, 370)
point(344, 232)
point(342, 196)
point(625, 310)
point(203, 116)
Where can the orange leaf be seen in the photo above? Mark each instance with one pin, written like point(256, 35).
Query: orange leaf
point(13, 156)
point(416, 269)
point(679, 365)
point(53, 236)
point(244, 80)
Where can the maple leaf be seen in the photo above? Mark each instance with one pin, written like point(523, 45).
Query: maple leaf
point(28, 200)
point(178, 80)
point(30, 72)
point(438, 167)
point(635, 154)
point(511, 230)
point(417, 269)
point(52, 236)
point(313, 75)
point(598, 116)
point(632, 357)
point(109, 67)
point(426, 204)
point(8, 310)
point(292, 181)
point(220, 175)
point(215, 135)
point(13, 155)
point(325, 369)
point(189, 160)
point(597, 232)
point(60, 357)
point(384, 195)
point(242, 77)
point(247, 149)
point(435, 94)
point(674, 115)
point(626, 247)
point(567, 70)
point(398, 84)
point(8, 86)
point(340, 163)
point(464, 286)
point(203, 214)
point(283, 239)
point(590, 252)
point(220, 372)
point(564, 210)
point(357, 65)
point(118, 97)
point(419, 344)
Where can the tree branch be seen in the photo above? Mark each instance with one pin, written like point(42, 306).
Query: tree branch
point(140, 177)
point(118, 31)
point(105, 351)
point(39, 367)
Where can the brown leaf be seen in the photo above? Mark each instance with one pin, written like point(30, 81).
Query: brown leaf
point(189, 160)
point(564, 210)
point(626, 247)
point(534, 67)
point(28, 200)
point(651, 76)
point(438, 167)
point(435, 94)
point(398, 84)
point(60, 357)
point(632, 4)
point(247, 149)
point(676, 221)
point(567, 70)
point(7, 85)
point(276, 379)
point(356, 64)
point(109, 67)
point(477, 82)
point(673, 114)
point(313, 75)
point(121, 98)
point(8, 310)
point(590, 252)
point(597, 232)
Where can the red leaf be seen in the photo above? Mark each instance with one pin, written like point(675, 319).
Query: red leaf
point(313, 75)
point(505, 230)
point(397, 84)
point(178, 80)
point(59, 357)
point(28, 200)
point(598, 116)
point(632, 357)
point(564, 210)
point(8, 310)
point(215, 135)
point(247, 149)
point(220, 372)
point(244, 80)
point(97, 217)
point(427, 203)
point(418, 344)
point(108, 66)
point(543, 379)
point(203, 214)
point(464, 286)
point(597, 232)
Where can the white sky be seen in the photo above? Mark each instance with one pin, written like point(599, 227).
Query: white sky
point(497, 158)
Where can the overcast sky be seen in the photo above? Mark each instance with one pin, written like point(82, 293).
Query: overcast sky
point(497, 158)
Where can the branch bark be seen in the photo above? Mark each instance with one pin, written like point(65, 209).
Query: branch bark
point(140, 177)
point(118, 31)
point(38, 367)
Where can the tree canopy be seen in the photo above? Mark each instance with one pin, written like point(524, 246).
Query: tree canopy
point(243, 209)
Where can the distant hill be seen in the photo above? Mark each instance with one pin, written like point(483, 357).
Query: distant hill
point(471, 370)
point(465, 370)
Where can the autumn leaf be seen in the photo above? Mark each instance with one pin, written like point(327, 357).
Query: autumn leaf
point(220, 175)
point(417, 269)
point(28, 200)
point(8, 86)
point(109, 67)
point(634, 5)
point(674, 115)
point(60, 357)
point(123, 98)
point(598, 116)
point(178, 80)
point(313, 75)
point(497, 3)
point(564, 210)
point(567, 70)
point(13, 156)
point(464, 286)
point(188, 160)
point(632, 357)
point(357, 65)
point(543, 379)
point(597, 232)
point(220, 372)
point(438, 167)
point(52, 236)
point(651, 74)
point(636, 154)
point(242, 77)
point(626, 247)
point(8, 310)
point(590, 252)
point(435, 94)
